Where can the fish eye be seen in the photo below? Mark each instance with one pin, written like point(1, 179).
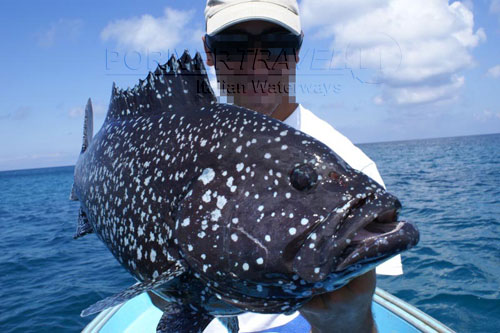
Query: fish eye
point(303, 177)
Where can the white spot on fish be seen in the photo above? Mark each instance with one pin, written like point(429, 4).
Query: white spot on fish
point(185, 223)
point(207, 176)
point(221, 201)
point(206, 196)
point(215, 215)
point(139, 254)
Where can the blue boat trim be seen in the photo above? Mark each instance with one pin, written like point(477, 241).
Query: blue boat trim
point(420, 320)
point(391, 315)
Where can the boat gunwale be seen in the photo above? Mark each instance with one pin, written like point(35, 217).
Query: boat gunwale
point(403, 310)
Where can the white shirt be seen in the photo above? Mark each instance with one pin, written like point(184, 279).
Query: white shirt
point(304, 120)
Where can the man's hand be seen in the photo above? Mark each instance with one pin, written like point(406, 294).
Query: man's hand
point(347, 309)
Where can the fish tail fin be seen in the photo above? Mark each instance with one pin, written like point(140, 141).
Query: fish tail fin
point(88, 126)
point(88, 133)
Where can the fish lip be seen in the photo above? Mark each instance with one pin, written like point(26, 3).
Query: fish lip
point(392, 237)
point(386, 219)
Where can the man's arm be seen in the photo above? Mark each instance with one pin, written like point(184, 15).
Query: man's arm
point(347, 309)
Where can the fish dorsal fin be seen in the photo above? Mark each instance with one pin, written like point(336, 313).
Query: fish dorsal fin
point(88, 126)
point(177, 83)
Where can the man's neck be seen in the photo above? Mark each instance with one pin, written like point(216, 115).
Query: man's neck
point(284, 110)
point(281, 112)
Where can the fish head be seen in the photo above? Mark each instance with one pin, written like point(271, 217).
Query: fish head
point(280, 210)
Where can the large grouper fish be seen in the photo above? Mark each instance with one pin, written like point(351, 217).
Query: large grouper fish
point(217, 210)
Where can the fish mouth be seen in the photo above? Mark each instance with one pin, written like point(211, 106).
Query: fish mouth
point(378, 239)
point(363, 233)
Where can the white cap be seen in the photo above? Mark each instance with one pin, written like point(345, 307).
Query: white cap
point(220, 14)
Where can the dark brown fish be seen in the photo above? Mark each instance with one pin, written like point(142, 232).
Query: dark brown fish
point(218, 210)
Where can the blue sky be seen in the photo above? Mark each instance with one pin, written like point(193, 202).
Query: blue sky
point(376, 70)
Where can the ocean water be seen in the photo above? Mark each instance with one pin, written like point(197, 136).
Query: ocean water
point(449, 187)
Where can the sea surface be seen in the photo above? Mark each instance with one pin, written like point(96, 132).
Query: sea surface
point(450, 187)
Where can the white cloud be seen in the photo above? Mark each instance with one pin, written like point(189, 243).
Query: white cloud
point(469, 4)
point(63, 29)
point(494, 72)
point(153, 33)
point(487, 115)
point(421, 45)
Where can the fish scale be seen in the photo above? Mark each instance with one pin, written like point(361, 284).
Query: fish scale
point(216, 209)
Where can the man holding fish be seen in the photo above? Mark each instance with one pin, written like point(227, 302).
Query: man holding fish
point(221, 211)
point(254, 46)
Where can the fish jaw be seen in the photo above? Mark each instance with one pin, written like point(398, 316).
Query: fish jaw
point(365, 231)
point(388, 240)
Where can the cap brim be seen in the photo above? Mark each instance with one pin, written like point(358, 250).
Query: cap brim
point(253, 11)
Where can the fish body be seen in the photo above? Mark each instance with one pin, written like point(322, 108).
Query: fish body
point(216, 209)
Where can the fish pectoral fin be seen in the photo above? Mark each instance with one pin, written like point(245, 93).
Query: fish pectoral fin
point(174, 271)
point(231, 323)
point(83, 226)
point(183, 319)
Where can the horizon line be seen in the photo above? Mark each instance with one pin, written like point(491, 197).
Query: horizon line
point(360, 143)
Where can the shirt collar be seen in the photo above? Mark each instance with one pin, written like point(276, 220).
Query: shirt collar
point(294, 118)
